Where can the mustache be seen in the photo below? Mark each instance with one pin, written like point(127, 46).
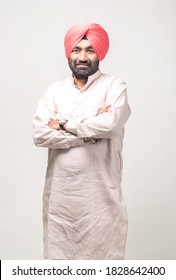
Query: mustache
point(85, 62)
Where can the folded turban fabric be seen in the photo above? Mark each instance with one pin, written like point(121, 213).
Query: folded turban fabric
point(95, 34)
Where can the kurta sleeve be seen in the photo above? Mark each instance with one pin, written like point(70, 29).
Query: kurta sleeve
point(107, 124)
point(43, 135)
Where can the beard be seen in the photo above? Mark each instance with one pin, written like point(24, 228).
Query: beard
point(83, 69)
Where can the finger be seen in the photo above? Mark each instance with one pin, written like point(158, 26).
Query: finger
point(100, 111)
point(108, 107)
point(50, 121)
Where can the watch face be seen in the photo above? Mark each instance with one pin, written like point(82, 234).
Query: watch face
point(62, 122)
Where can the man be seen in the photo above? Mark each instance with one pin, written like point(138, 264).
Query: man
point(81, 121)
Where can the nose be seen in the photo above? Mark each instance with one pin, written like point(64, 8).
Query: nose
point(82, 56)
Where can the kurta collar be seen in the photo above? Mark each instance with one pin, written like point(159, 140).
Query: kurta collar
point(90, 80)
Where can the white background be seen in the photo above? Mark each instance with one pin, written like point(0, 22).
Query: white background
point(143, 52)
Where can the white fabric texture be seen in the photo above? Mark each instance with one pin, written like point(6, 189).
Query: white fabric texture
point(84, 214)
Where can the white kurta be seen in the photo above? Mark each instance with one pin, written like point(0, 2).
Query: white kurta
point(84, 214)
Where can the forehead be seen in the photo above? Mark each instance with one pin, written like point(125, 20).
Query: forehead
point(83, 44)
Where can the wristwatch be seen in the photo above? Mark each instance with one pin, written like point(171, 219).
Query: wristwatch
point(61, 124)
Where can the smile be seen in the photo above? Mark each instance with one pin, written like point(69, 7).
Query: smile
point(82, 65)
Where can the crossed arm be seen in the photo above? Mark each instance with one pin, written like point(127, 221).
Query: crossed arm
point(54, 123)
point(104, 125)
point(49, 135)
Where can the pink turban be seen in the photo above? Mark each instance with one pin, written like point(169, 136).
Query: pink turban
point(95, 34)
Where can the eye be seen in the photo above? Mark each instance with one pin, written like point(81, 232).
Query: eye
point(75, 50)
point(90, 51)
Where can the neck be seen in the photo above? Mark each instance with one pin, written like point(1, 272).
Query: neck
point(80, 83)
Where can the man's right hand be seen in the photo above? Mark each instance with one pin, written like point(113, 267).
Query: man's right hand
point(54, 124)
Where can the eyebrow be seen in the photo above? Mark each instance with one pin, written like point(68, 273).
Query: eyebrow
point(87, 48)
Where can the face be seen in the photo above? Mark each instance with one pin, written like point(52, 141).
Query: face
point(83, 60)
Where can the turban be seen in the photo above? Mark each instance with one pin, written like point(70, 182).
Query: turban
point(95, 34)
